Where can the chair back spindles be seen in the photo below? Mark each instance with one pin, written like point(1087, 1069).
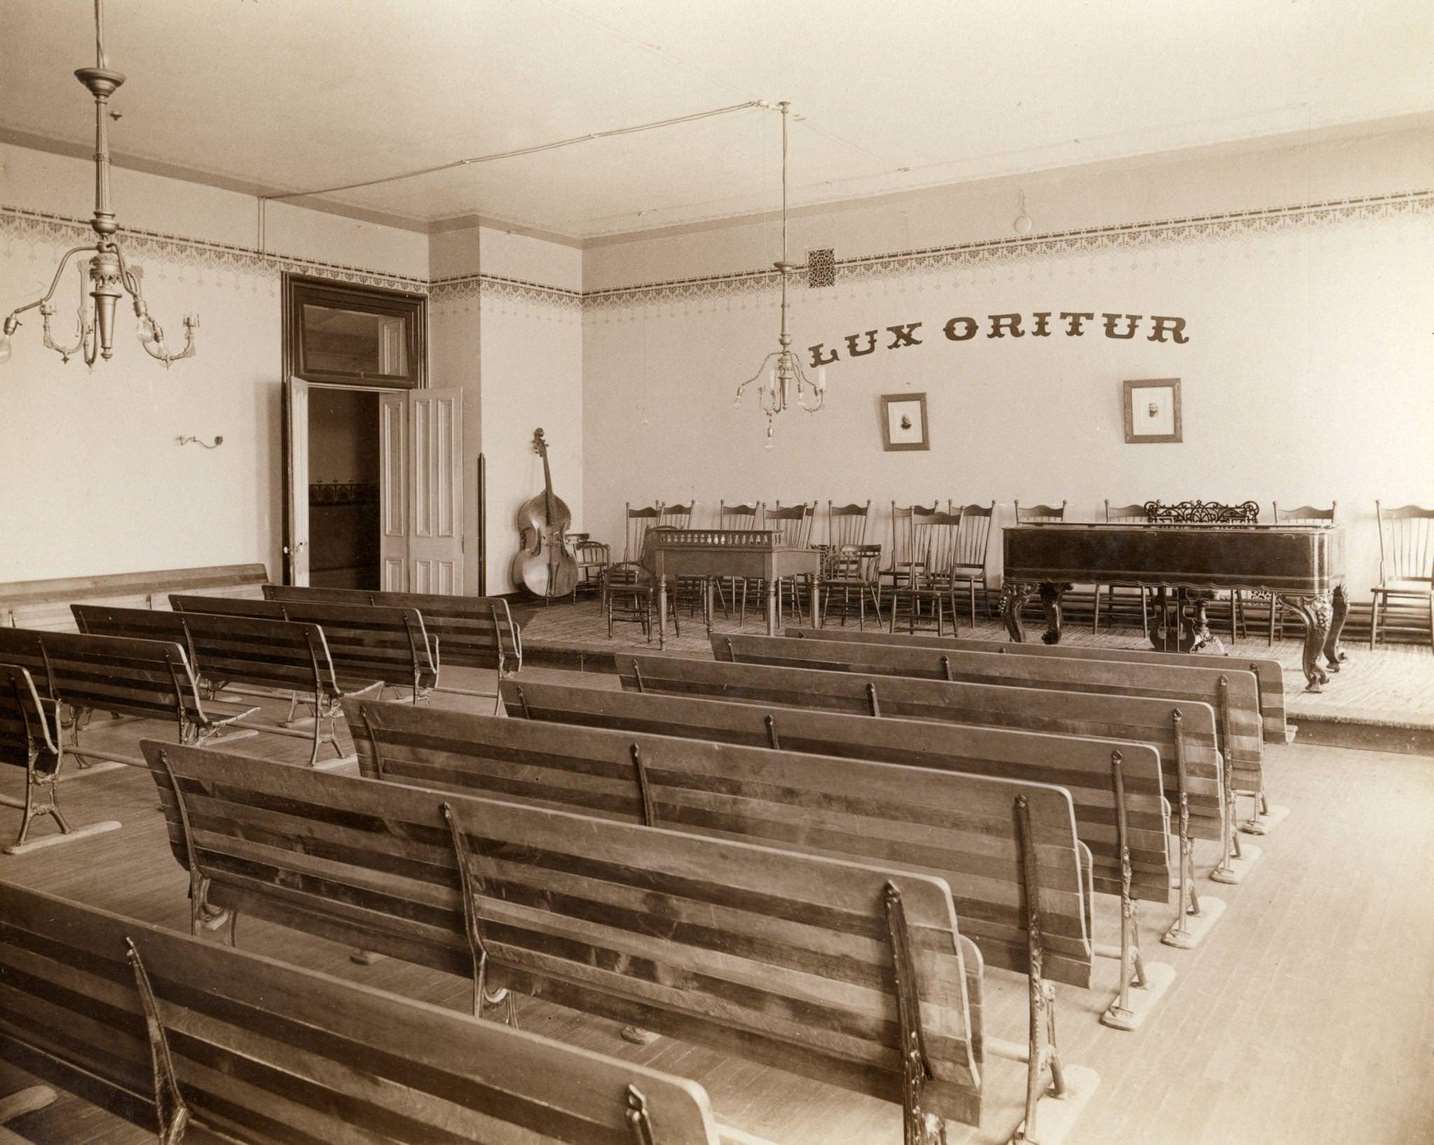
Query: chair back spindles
point(1406, 544)
point(846, 524)
point(676, 515)
point(738, 516)
point(1117, 514)
point(638, 522)
point(794, 523)
point(975, 535)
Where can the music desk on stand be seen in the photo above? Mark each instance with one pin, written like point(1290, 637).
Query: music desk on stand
point(749, 554)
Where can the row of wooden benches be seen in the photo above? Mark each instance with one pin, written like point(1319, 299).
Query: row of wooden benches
point(842, 817)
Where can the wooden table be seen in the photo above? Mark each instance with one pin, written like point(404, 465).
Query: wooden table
point(1302, 566)
point(749, 554)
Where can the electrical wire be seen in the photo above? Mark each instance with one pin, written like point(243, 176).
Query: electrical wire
point(533, 150)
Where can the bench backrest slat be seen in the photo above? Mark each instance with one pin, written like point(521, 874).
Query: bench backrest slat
point(805, 691)
point(146, 678)
point(959, 827)
point(1080, 764)
point(364, 641)
point(1268, 672)
point(269, 1052)
point(233, 649)
point(1244, 752)
point(778, 956)
point(472, 631)
point(27, 736)
point(45, 604)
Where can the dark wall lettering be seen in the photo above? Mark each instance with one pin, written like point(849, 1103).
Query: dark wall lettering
point(967, 326)
point(817, 357)
point(1163, 322)
point(1075, 322)
point(1131, 322)
point(1041, 330)
point(904, 335)
point(853, 352)
point(1002, 323)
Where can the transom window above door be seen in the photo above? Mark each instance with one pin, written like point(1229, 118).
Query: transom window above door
point(355, 335)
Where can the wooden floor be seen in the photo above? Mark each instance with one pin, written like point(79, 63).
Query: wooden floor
point(1307, 1016)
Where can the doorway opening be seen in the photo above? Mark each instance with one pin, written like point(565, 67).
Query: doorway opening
point(345, 475)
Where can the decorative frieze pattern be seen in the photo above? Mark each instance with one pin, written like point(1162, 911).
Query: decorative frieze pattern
point(39, 226)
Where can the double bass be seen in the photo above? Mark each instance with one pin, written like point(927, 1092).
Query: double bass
point(543, 565)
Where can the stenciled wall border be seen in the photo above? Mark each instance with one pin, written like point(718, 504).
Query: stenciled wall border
point(1196, 228)
point(30, 225)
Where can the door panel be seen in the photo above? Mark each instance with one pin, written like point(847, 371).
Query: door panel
point(435, 539)
point(296, 453)
point(393, 492)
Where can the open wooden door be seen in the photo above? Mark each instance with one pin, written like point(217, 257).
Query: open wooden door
point(421, 444)
point(296, 482)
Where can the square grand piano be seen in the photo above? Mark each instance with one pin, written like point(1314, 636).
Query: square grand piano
point(1303, 566)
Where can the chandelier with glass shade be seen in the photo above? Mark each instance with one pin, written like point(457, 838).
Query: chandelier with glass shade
point(780, 380)
point(107, 275)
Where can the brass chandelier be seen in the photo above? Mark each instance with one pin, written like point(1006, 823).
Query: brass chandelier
point(109, 278)
point(780, 379)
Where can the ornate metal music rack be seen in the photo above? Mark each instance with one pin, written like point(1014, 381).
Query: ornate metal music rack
point(1202, 513)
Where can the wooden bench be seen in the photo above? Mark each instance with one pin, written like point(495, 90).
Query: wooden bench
point(1183, 735)
point(45, 604)
point(228, 650)
point(967, 829)
point(1122, 821)
point(1233, 693)
point(166, 1031)
point(827, 969)
point(366, 642)
point(144, 679)
point(1268, 673)
point(30, 739)
point(468, 631)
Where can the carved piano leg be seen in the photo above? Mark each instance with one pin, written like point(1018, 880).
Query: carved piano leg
point(1333, 653)
point(1315, 613)
point(1051, 601)
point(1014, 595)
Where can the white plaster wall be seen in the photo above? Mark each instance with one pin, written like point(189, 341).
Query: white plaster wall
point(1307, 377)
point(98, 483)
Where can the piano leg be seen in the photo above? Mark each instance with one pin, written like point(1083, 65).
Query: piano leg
point(1316, 613)
point(1014, 595)
point(1333, 653)
point(1051, 601)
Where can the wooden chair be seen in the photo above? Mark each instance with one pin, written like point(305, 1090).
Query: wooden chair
point(1122, 514)
point(166, 1031)
point(739, 516)
point(908, 545)
point(690, 591)
point(794, 524)
point(972, 550)
point(592, 557)
point(1406, 564)
point(932, 585)
point(851, 570)
point(1040, 514)
point(638, 522)
point(1305, 515)
point(629, 597)
point(30, 740)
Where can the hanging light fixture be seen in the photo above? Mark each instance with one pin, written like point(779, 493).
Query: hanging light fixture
point(109, 278)
point(780, 379)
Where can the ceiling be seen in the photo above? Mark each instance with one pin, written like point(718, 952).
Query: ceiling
point(295, 95)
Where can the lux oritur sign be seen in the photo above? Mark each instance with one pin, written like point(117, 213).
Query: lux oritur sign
point(1037, 324)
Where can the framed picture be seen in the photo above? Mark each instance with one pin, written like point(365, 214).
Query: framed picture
point(903, 421)
point(1152, 411)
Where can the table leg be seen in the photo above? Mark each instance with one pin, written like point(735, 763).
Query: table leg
point(772, 593)
point(817, 603)
point(707, 602)
point(661, 613)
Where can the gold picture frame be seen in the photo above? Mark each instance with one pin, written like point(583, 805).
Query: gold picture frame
point(903, 421)
point(1152, 411)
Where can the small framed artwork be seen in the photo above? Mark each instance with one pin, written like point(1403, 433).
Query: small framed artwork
point(903, 421)
point(1152, 411)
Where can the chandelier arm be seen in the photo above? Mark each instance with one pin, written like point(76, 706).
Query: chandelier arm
point(762, 369)
point(13, 320)
point(151, 334)
point(82, 328)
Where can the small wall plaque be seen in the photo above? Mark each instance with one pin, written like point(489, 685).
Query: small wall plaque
point(1152, 411)
point(903, 421)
